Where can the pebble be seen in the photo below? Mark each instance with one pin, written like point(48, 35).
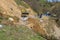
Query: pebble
point(1, 26)
point(11, 19)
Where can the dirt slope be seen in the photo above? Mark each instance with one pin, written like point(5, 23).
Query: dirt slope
point(10, 7)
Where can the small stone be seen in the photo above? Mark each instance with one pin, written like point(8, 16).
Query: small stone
point(1, 26)
point(11, 19)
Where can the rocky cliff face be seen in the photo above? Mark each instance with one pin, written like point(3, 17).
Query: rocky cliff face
point(51, 28)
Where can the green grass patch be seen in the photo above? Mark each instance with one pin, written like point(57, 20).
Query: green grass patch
point(21, 2)
point(18, 33)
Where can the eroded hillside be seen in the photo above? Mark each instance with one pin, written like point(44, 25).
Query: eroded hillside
point(10, 15)
point(13, 14)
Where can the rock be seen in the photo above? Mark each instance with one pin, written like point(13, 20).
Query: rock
point(1, 26)
point(11, 19)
